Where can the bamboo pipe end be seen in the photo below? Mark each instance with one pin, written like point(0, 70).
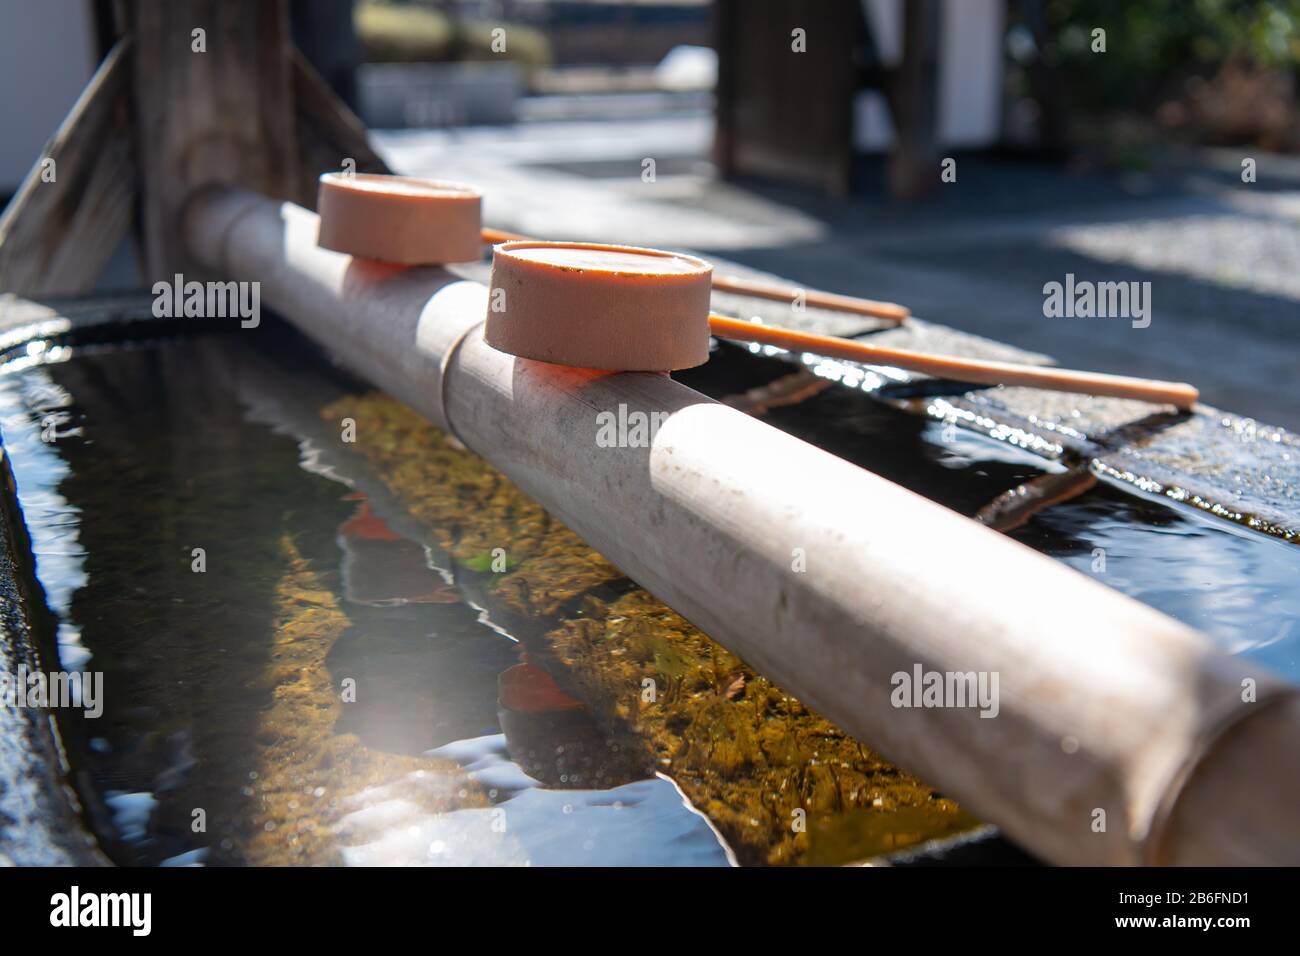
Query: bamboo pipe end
point(1216, 820)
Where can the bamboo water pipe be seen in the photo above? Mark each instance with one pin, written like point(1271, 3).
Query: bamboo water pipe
point(1121, 736)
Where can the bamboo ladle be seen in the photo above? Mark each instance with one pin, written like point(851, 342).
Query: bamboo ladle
point(410, 221)
point(890, 311)
point(974, 371)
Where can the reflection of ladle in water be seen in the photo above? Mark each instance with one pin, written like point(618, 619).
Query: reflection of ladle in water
point(548, 732)
point(552, 736)
point(382, 567)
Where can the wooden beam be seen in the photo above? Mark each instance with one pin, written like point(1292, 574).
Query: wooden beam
point(68, 218)
point(328, 132)
point(214, 104)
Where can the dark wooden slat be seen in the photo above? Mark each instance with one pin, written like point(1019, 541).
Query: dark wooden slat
point(328, 132)
point(914, 161)
point(56, 237)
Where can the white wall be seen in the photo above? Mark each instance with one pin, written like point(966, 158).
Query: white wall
point(46, 57)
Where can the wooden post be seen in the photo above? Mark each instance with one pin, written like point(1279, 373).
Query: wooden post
point(914, 162)
point(786, 80)
point(202, 92)
point(214, 104)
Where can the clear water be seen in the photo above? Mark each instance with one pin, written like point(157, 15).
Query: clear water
point(315, 684)
point(227, 735)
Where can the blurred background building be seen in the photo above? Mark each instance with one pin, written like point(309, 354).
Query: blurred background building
point(1024, 75)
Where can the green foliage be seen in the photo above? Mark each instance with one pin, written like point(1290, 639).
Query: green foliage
point(392, 34)
point(416, 33)
point(1154, 43)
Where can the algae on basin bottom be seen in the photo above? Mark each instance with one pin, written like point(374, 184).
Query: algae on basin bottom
point(782, 784)
point(309, 775)
point(471, 509)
